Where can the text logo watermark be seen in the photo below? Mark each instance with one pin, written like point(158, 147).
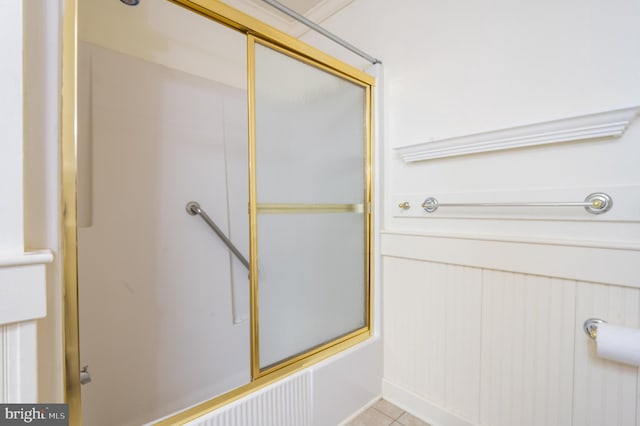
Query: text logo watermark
point(34, 414)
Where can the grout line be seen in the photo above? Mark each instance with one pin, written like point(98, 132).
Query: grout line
point(392, 420)
point(388, 416)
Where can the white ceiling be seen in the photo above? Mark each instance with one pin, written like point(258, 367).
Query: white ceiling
point(300, 6)
point(315, 10)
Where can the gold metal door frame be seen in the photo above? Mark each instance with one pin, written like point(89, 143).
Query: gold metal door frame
point(69, 244)
point(262, 33)
point(255, 208)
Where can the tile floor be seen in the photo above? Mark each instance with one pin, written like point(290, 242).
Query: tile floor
point(384, 413)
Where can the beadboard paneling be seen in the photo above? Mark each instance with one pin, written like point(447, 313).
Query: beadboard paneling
point(605, 392)
point(22, 300)
point(515, 338)
point(4, 365)
point(432, 332)
point(18, 362)
point(527, 349)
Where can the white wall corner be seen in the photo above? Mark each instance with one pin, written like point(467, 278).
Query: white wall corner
point(606, 124)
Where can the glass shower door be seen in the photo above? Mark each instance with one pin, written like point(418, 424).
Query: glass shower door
point(309, 205)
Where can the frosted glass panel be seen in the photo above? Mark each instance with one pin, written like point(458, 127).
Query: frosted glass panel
point(310, 128)
point(163, 306)
point(311, 281)
point(310, 153)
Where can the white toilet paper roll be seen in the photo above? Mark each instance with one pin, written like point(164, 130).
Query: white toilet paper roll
point(621, 344)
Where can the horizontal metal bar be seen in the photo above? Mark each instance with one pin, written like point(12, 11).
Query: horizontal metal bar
point(271, 208)
point(595, 203)
point(523, 204)
point(300, 18)
point(193, 208)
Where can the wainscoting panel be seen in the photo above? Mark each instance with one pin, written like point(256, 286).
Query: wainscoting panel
point(18, 375)
point(527, 349)
point(468, 343)
point(432, 332)
point(605, 392)
point(22, 301)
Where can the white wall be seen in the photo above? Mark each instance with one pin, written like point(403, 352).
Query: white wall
point(42, 178)
point(11, 114)
point(22, 272)
point(483, 312)
point(452, 72)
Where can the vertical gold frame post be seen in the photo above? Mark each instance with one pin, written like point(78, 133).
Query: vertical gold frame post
point(253, 216)
point(369, 168)
point(69, 213)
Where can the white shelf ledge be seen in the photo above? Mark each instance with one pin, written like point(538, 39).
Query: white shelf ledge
point(23, 286)
point(28, 258)
point(607, 124)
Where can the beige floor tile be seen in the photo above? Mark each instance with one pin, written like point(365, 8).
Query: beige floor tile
point(387, 408)
point(408, 420)
point(371, 417)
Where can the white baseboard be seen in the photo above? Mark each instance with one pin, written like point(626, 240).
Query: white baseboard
point(420, 407)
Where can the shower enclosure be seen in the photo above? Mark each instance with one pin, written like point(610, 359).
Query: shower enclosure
point(273, 149)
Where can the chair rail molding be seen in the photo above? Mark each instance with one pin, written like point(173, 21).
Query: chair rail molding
point(606, 124)
point(23, 286)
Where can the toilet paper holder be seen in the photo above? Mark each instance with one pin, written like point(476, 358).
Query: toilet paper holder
point(590, 327)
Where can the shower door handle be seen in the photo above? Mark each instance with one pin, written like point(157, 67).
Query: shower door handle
point(193, 208)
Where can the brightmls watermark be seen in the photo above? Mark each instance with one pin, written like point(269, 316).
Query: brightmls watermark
point(34, 414)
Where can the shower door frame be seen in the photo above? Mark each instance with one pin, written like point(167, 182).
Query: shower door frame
point(256, 32)
point(255, 208)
